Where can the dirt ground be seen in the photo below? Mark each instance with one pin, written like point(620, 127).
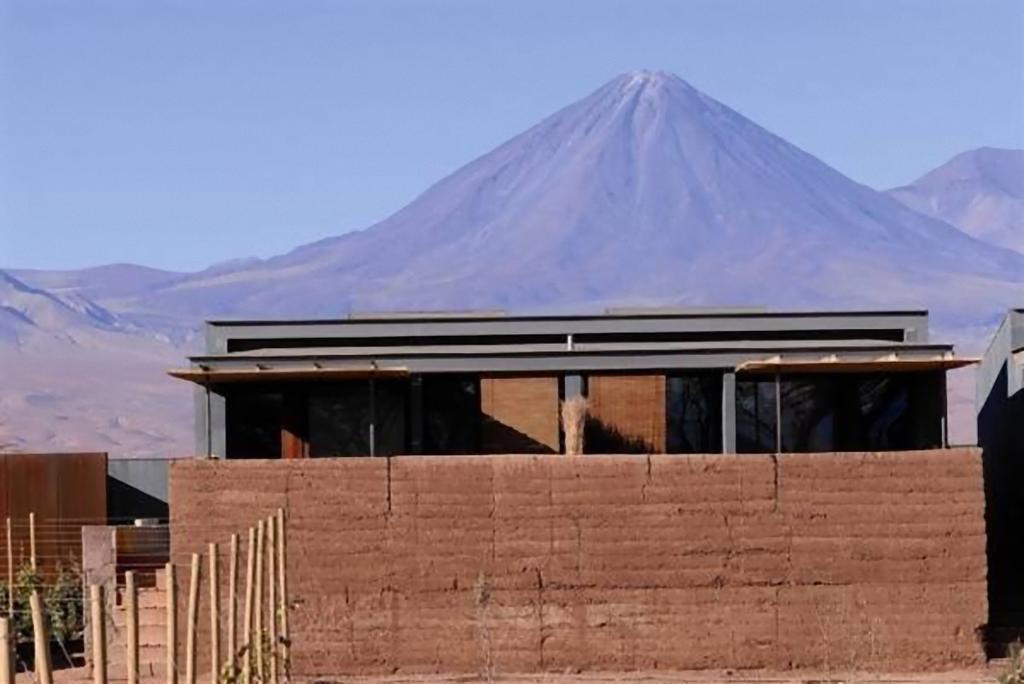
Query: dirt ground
point(978, 676)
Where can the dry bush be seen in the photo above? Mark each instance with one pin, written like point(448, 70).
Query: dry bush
point(574, 420)
point(1014, 673)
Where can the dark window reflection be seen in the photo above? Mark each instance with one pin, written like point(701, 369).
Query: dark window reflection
point(809, 407)
point(451, 414)
point(253, 417)
point(842, 412)
point(340, 415)
point(339, 420)
point(390, 420)
point(755, 416)
point(693, 408)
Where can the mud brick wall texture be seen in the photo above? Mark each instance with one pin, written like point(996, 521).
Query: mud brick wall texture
point(484, 564)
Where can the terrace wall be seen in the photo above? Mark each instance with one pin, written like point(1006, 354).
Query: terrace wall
point(534, 563)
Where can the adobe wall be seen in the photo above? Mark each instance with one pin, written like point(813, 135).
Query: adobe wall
point(543, 563)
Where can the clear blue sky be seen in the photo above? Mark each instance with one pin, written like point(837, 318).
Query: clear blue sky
point(178, 134)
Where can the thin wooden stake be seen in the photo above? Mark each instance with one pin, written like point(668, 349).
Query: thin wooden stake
point(97, 621)
point(10, 571)
point(282, 572)
point(272, 598)
point(257, 609)
point(131, 607)
point(6, 661)
point(44, 673)
point(193, 609)
point(214, 617)
point(250, 572)
point(32, 541)
point(232, 605)
point(172, 624)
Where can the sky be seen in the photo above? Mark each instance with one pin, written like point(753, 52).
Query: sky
point(178, 134)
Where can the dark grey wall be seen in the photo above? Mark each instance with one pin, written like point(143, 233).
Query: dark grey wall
point(1000, 402)
point(136, 488)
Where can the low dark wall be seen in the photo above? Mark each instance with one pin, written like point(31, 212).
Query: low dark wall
point(542, 563)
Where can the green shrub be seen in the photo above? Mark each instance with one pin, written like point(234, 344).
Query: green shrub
point(62, 602)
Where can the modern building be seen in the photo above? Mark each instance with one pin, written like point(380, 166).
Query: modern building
point(1000, 405)
point(655, 381)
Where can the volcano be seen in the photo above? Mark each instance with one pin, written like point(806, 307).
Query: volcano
point(646, 192)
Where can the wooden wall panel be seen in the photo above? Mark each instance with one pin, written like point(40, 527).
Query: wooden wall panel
point(520, 415)
point(626, 414)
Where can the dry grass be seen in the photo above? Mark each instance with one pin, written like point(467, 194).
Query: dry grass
point(574, 419)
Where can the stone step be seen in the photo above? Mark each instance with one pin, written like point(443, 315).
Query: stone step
point(149, 617)
point(149, 635)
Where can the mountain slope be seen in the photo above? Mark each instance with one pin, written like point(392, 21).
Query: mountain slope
point(28, 314)
point(100, 282)
point(646, 191)
point(980, 191)
point(77, 376)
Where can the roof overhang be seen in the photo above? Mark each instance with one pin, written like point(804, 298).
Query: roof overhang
point(215, 376)
point(890, 363)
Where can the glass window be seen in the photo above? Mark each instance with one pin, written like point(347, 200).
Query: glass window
point(253, 423)
point(755, 416)
point(842, 412)
point(340, 416)
point(809, 408)
point(339, 420)
point(900, 411)
point(693, 413)
point(451, 414)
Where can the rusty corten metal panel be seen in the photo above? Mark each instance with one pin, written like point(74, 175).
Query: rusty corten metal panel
point(82, 498)
point(64, 491)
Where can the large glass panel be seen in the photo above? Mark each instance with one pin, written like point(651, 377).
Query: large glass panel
point(390, 400)
point(901, 411)
point(755, 416)
point(253, 421)
point(693, 413)
point(810, 405)
point(451, 414)
point(842, 412)
point(340, 415)
point(339, 420)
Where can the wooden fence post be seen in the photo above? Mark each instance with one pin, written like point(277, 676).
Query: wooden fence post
point(214, 617)
point(44, 673)
point(6, 661)
point(282, 574)
point(172, 623)
point(272, 598)
point(32, 541)
point(257, 609)
point(131, 607)
point(10, 571)
point(97, 621)
point(193, 609)
point(250, 572)
point(232, 605)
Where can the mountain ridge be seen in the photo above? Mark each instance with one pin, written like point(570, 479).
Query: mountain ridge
point(647, 171)
point(646, 192)
point(979, 191)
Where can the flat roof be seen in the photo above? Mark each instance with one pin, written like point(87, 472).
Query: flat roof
point(645, 339)
point(609, 314)
point(748, 346)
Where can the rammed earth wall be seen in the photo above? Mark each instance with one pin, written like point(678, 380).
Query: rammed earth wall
point(543, 563)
